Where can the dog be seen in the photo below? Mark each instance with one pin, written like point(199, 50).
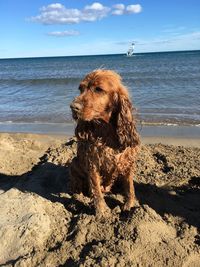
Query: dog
point(107, 139)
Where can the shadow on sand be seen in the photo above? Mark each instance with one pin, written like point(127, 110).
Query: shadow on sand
point(50, 181)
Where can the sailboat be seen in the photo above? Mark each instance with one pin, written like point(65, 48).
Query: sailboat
point(130, 51)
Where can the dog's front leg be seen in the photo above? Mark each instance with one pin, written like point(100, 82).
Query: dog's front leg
point(129, 192)
point(95, 187)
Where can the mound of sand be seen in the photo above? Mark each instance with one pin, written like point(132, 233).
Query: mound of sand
point(41, 224)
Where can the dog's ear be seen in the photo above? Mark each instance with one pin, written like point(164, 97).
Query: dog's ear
point(125, 122)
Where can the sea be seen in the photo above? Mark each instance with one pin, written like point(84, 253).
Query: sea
point(164, 87)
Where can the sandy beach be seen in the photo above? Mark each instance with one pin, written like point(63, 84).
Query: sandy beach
point(42, 224)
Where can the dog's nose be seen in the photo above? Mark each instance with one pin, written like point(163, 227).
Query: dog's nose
point(75, 106)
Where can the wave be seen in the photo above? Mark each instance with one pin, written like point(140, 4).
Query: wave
point(40, 81)
point(71, 122)
point(163, 124)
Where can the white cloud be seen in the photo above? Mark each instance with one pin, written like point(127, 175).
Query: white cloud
point(134, 8)
point(118, 9)
point(52, 6)
point(57, 13)
point(94, 12)
point(64, 33)
point(119, 6)
point(118, 12)
point(121, 9)
point(95, 6)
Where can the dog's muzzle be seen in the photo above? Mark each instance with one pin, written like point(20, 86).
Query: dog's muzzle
point(76, 108)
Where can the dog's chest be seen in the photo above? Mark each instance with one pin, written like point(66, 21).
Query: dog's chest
point(97, 154)
point(104, 158)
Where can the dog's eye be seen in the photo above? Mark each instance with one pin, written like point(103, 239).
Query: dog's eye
point(98, 90)
point(81, 89)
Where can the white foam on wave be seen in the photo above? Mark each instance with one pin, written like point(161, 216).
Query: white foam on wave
point(6, 122)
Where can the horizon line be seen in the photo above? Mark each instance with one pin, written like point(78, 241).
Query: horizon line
point(114, 54)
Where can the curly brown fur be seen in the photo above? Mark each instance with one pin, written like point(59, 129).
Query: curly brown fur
point(108, 142)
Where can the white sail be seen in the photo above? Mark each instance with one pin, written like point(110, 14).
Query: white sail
point(130, 50)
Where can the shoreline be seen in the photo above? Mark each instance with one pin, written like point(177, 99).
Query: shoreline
point(188, 136)
point(146, 130)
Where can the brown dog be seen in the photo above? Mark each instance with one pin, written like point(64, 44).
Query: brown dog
point(108, 142)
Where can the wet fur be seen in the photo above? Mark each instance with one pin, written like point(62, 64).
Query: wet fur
point(108, 142)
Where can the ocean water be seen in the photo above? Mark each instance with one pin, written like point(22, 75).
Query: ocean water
point(164, 87)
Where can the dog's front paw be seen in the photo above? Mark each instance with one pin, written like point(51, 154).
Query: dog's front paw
point(128, 205)
point(102, 210)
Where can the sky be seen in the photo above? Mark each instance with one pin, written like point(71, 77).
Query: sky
point(78, 27)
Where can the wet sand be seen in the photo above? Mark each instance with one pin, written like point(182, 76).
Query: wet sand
point(176, 131)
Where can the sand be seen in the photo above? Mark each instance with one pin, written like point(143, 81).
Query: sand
point(42, 224)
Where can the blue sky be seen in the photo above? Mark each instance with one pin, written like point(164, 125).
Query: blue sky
point(79, 27)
